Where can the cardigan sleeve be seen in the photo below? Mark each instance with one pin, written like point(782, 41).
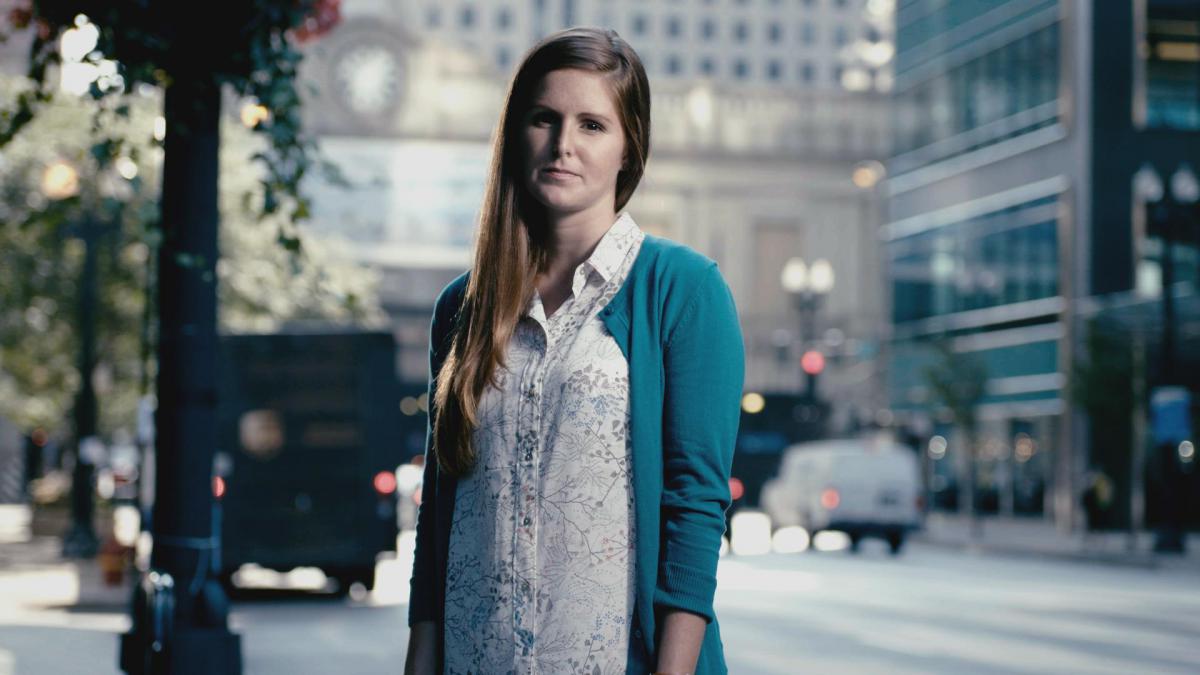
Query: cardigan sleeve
point(704, 370)
point(422, 604)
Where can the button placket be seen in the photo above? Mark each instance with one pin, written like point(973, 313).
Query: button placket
point(525, 541)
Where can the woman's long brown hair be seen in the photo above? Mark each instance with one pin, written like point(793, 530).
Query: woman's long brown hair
point(511, 245)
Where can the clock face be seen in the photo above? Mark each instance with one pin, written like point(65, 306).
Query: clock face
point(367, 77)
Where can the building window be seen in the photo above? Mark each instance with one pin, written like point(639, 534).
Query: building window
point(467, 18)
point(774, 32)
point(503, 18)
point(837, 74)
point(707, 67)
point(741, 31)
point(840, 4)
point(1168, 93)
point(433, 17)
point(807, 72)
point(774, 70)
point(639, 24)
point(741, 70)
point(1019, 77)
point(989, 260)
point(808, 33)
point(674, 27)
point(673, 65)
point(708, 29)
point(841, 35)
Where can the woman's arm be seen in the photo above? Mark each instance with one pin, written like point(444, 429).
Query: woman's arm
point(704, 367)
point(681, 637)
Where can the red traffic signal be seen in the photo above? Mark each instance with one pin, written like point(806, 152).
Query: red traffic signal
point(813, 362)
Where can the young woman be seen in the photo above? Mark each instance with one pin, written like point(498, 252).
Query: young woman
point(584, 398)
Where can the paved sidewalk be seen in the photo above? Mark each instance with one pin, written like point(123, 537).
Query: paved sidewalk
point(1034, 536)
point(34, 575)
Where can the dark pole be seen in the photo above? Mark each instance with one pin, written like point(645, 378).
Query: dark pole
point(802, 334)
point(185, 429)
point(806, 301)
point(81, 541)
point(1167, 269)
point(1170, 537)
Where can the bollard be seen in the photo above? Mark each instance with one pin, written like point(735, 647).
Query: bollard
point(145, 650)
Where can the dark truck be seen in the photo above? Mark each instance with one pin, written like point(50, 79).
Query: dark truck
point(308, 445)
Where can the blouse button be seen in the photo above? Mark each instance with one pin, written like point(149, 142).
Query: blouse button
point(527, 521)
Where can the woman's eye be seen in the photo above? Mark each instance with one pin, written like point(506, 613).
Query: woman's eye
point(594, 126)
point(541, 118)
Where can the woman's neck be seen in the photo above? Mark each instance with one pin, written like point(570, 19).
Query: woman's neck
point(573, 237)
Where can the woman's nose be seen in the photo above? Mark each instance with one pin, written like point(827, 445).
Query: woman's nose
point(564, 143)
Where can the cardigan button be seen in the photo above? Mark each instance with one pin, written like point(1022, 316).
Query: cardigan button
point(637, 633)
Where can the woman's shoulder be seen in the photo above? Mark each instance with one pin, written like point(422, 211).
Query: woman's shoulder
point(452, 294)
point(679, 271)
point(676, 259)
point(448, 302)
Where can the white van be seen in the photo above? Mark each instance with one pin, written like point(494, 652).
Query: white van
point(863, 487)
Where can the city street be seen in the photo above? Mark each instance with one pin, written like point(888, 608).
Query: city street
point(931, 610)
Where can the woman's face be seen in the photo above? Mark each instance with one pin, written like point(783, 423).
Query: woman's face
point(572, 141)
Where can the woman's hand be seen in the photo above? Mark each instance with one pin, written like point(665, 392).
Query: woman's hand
point(422, 649)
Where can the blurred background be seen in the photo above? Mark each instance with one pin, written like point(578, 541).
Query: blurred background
point(964, 241)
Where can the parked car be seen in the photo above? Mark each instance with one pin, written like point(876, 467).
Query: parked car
point(863, 487)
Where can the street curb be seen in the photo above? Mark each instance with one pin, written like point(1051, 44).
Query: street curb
point(1138, 561)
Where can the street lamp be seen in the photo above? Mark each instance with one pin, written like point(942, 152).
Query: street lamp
point(60, 180)
point(1166, 210)
point(808, 285)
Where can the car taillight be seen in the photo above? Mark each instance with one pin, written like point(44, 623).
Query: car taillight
point(736, 489)
point(830, 499)
point(218, 487)
point(385, 483)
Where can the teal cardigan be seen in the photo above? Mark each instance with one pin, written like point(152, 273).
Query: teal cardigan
point(675, 321)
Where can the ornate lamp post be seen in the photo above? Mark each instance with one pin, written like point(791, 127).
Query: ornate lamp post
point(1167, 211)
point(808, 286)
point(60, 180)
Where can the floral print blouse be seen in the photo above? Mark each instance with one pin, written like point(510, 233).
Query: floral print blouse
point(540, 575)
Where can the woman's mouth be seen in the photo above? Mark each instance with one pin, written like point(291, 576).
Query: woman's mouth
point(557, 174)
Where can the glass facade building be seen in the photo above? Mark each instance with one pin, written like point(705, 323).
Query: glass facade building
point(1001, 257)
point(979, 193)
point(1013, 226)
